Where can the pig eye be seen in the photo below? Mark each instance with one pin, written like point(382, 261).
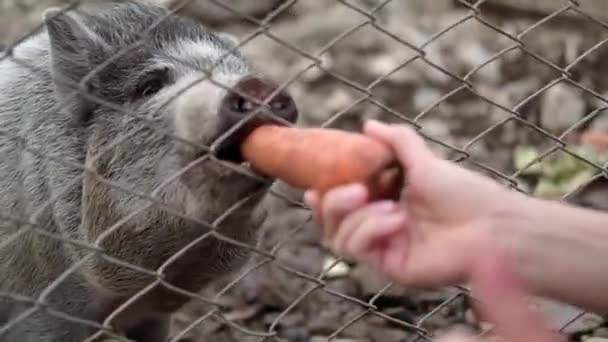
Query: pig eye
point(152, 87)
point(151, 83)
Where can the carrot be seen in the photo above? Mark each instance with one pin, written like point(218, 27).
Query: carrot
point(321, 159)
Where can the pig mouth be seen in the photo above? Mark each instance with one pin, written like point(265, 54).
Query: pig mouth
point(229, 149)
point(230, 152)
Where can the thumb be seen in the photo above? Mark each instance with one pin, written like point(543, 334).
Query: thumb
point(409, 146)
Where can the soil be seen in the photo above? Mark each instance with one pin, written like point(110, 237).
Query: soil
point(479, 118)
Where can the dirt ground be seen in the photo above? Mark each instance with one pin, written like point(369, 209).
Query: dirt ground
point(292, 293)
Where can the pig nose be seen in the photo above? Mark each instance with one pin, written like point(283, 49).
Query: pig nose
point(236, 107)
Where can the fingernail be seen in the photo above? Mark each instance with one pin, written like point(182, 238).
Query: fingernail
point(308, 195)
point(371, 123)
point(383, 207)
point(396, 219)
point(376, 122)
point(352, 194)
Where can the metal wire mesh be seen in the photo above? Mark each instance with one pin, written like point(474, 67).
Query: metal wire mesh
point(317, 285)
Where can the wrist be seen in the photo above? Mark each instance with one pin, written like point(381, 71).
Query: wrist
point(557, 250)
point(515, 229)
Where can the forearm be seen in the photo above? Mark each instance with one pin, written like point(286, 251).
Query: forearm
point(562, 252)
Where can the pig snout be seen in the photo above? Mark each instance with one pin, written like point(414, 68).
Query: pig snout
point(280, 108)
point(246, 99)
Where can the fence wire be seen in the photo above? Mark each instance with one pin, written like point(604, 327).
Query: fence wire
point(319, 284)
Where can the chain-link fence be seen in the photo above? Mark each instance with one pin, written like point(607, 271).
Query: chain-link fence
point(513, 93)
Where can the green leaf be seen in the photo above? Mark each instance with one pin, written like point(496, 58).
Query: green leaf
point(546, 188)
point(523, 156)
point(577, 181)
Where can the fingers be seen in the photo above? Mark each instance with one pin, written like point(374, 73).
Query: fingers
point(503, 302)
point(444, 258)
point(339, 203)
point(408, 145)
point(336, 205)
point(356, 229)
point(352, 228)
point(313, 200)
point(362, 228)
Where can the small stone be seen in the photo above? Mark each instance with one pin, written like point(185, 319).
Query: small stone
point(562, 106)
point(334, 268)
point(478, 150)
point(435, 128)
point(473, 54)
point(316, 72)
point(425, 97)
point(295, 334)
point(601, 332)
point(319, 339)
point(295, 319)
point(513, 93)
point(432, 73)
point(326, 339)
point(339, 100)
point(596, 339)
point(585, 322)
point(600, 122)
point(470, 317)
point(324, 323)
point(388, 334)
point(371, 282)
point(383, 65)
point(559, 314)
point(116, 340)
point(411, 9)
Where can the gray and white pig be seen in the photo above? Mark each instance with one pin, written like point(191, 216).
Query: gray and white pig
point(141, 120)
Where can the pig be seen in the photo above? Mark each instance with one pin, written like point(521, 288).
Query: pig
point(117, 156)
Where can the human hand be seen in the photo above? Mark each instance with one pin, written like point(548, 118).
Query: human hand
point(426, 238)
point(500, 301)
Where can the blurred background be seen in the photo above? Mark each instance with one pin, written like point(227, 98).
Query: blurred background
point(511, 88)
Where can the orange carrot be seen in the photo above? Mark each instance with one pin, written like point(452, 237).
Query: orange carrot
point(321, 159)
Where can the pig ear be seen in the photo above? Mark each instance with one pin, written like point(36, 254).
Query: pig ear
point(75, 50)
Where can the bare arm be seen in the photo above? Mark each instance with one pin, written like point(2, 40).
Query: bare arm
point(561, 251)
point(449, 219)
